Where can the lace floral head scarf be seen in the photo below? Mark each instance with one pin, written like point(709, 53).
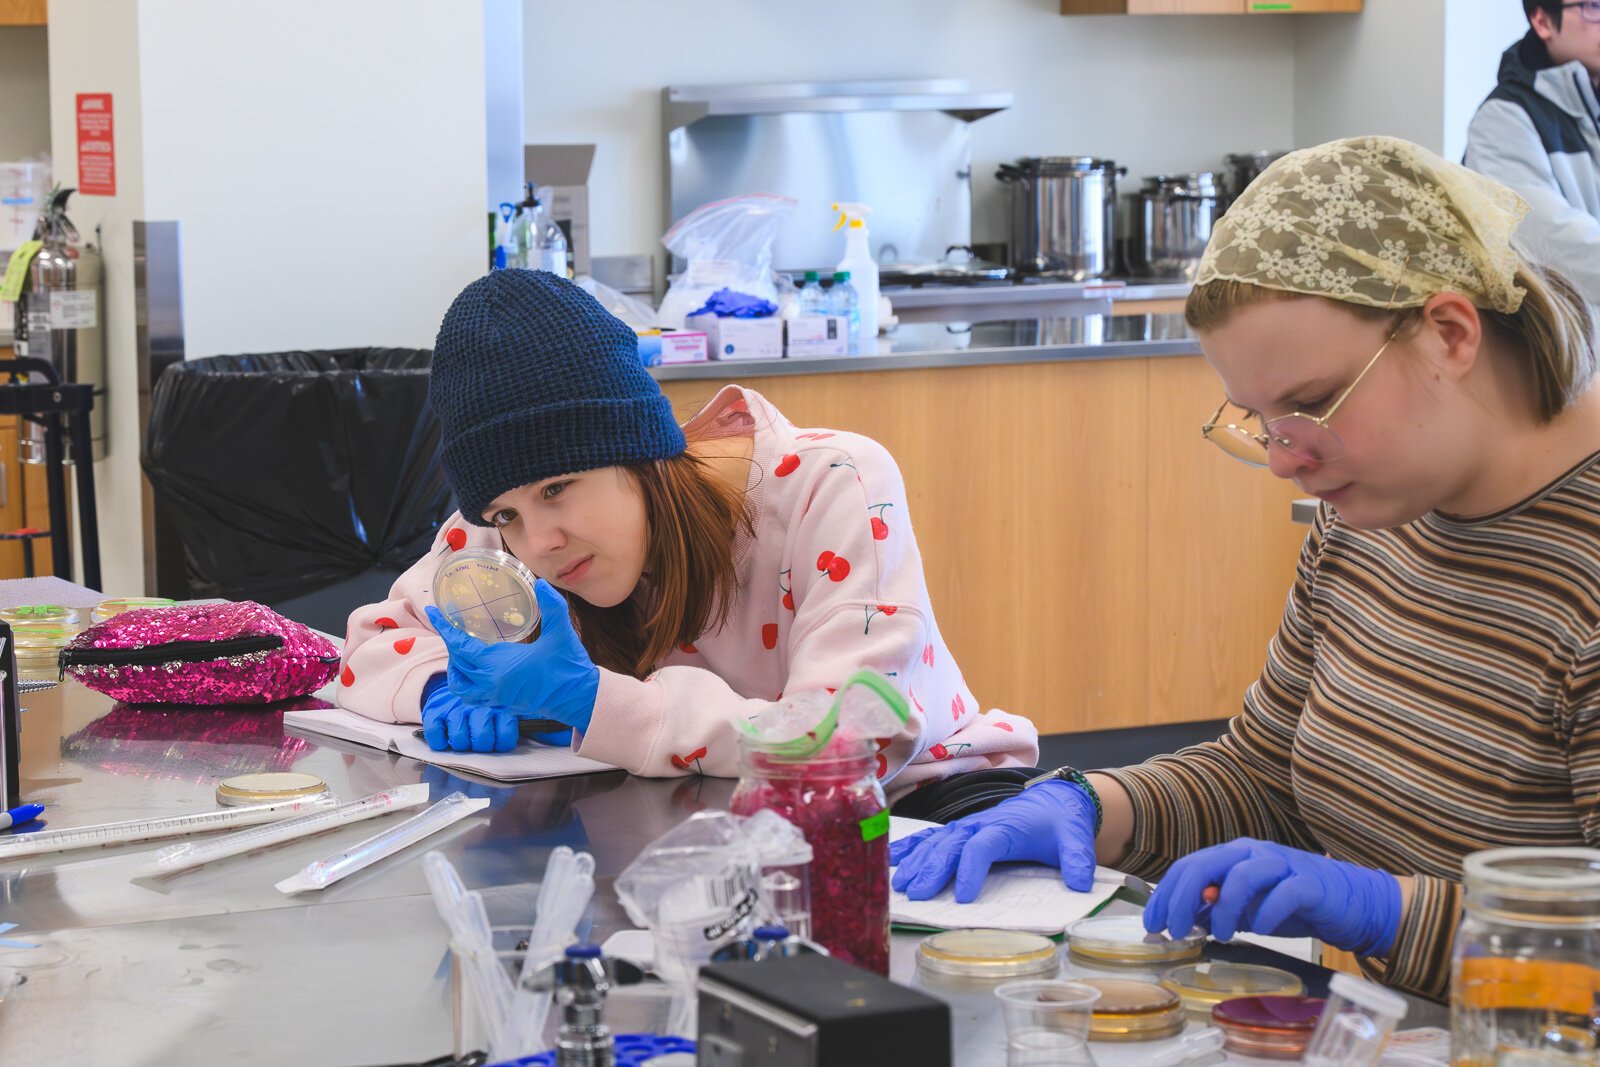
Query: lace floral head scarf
point(1350, 220)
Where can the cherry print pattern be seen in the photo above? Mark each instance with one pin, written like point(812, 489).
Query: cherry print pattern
point(958, 707)
point(456, 539)
point(769, 635)
point(383, 622)
point(689, 760)
point(347, 677)
point(880, 528)
point(873, 612)
point(838, 567)
point(787, 465)
point(403, 645)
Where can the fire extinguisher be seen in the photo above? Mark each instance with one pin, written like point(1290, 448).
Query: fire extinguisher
point(58, 318)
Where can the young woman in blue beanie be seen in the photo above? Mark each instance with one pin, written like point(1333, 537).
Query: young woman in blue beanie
point(687, 575)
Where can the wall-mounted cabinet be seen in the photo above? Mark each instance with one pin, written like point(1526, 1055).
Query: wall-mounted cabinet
point(1207, 7)
point(23, 12)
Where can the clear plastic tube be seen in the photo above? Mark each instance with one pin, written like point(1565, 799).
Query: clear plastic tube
point(181, 857)
point(117, 833)
point(323, 873)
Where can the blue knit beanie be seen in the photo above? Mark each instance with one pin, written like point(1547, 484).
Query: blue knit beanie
point(532, 378)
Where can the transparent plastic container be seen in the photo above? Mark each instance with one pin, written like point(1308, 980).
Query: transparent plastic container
point(1356, 1021)
point(836, 801)
point(117, 605)
point(1047, 1022)
point(1525, 982)
point(786, 890)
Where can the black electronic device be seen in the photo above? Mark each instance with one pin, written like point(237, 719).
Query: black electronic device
point(10, 723)
point(815, 1011)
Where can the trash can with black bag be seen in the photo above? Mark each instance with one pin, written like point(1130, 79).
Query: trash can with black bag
point(306, 481)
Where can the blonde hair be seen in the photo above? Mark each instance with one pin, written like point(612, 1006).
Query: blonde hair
point(1551, 333)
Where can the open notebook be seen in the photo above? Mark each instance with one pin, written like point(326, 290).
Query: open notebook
point(527, 761)
point(1016, 896)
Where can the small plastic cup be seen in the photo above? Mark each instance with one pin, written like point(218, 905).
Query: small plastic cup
point(1047, 1022)
point(1357, 1020)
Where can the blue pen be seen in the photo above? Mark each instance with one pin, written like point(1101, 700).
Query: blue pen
point(18, 816)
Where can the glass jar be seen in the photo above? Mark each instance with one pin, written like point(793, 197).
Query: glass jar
point(1525, 984)
point(835, 799)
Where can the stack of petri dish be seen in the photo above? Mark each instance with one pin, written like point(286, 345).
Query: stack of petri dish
point(1269, 1028)
point(976, 961)
point(40, 631)
point(1205, 985)
point(1129, 1010)
point(117, 605)
point(1121, 941)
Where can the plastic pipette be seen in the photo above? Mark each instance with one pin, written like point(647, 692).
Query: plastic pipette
point(117, 833)
point(323, 873)
point(181, 857)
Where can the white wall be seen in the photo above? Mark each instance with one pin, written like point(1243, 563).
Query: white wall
point(326, 161)
point(1381, 71)
point(24, 93)
point(329, 177)
point(1155, 94)
point(1475, 33)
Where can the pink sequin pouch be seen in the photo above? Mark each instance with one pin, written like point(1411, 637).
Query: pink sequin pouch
point(234, 653)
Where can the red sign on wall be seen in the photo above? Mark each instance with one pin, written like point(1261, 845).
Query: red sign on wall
point(97, 157)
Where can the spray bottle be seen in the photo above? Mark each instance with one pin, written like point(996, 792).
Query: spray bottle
point(863, 270)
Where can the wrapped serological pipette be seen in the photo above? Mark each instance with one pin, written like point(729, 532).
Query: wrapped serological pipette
point(117, 833)
point(187, 854)
point(325, 872)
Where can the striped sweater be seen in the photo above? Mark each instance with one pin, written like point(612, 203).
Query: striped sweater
point(1433, 690)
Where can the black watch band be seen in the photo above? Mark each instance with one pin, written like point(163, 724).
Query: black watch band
point(1072, 774)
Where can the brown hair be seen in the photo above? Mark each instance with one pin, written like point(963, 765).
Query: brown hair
point(691, 518)
point(1551, 334)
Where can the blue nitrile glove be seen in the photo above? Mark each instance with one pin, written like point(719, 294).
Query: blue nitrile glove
point(730, 304)
point(448, 722)
point(552, 677)
point(1267, 888)
point(1051, 823)
point(452, 727)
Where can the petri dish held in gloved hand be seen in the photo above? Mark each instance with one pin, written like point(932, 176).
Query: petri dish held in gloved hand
point(487, 593)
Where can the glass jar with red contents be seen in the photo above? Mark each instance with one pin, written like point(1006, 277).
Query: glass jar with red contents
point(834, 797)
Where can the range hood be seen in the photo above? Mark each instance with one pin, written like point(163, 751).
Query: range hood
point(686, 104)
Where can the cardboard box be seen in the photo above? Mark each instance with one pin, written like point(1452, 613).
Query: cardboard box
point(658, 348)
point(740, 338)
point(565, 169)
point(818, 335)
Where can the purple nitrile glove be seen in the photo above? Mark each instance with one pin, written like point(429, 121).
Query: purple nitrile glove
point(1268, 888)
point(1051, 823)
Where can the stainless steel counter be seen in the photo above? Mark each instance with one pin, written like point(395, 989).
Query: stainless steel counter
point(961, 344)
point(216, 965)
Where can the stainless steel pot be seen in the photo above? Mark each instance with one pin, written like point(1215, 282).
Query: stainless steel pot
point(1241, 168)
point(1171, 220)
point(1063, 215)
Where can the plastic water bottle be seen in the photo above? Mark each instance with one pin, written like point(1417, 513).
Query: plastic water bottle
point(813, 300)
point(549, 242)
point(843, 302)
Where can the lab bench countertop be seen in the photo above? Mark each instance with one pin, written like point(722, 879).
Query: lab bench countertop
point(960, 344)
point(216, 965)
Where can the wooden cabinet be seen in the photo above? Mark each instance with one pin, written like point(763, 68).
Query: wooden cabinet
point(23, 12)
point(1206, 7)
point(1093, 563)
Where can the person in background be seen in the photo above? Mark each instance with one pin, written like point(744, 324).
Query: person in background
point(1434, 686)
point(1539, 133)
point(687, 575)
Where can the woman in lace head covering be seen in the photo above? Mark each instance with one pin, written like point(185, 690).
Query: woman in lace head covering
point(1434, 687)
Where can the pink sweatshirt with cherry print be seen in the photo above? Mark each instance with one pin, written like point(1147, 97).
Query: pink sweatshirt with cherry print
point(830, 582)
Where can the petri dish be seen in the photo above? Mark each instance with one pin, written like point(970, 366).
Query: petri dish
point(38, 641)
point(42, 613)
point(1273, 1028)
point(1205, 985)
point(487, 593)
point(117, 605)
point(1134, 1011)
point(972, 957)
point(266, 787)
point(1122, 940)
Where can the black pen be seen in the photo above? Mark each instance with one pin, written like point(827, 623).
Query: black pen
point(527, 727)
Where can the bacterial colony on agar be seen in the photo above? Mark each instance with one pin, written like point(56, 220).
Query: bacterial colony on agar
point(487, 593)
